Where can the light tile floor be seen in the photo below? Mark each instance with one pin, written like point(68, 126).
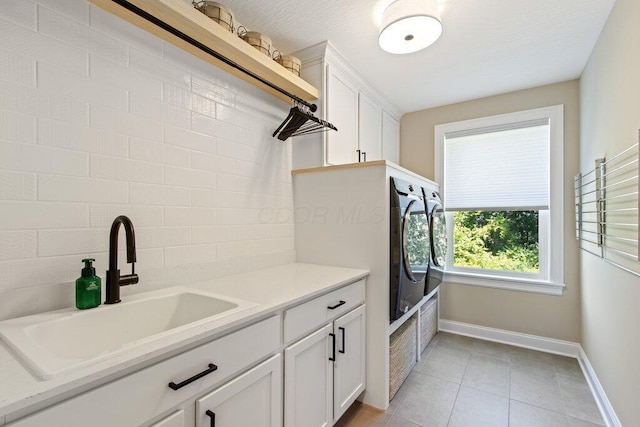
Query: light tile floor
point(465, 382)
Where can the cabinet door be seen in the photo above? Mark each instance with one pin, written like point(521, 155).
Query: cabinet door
point(369, 128)
point(254, 399)
point(390, 138)
point(308, 381)
point(174, 420)
point(342, 111)
point(349, 367)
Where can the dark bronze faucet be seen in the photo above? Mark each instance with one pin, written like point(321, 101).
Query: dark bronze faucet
point(114, 279)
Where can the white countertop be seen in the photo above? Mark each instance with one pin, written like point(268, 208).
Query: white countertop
point(372, 163)
point(271, 289)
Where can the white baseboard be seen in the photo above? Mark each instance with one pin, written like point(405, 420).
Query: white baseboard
point(606, 409)
point(534, 342)
point(548, 345)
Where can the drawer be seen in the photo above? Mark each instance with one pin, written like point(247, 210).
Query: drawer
point(303, 318)
point(174, 420)
point(141, 396)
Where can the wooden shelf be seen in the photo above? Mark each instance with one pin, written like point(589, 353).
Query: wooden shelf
point(186, 19)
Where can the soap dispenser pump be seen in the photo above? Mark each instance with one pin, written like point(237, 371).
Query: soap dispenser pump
point(88, 287)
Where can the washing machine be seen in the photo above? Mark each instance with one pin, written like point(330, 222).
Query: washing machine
point(410, 247)
point(437, 238)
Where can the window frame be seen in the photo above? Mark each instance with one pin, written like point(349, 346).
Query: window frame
point(550, 279)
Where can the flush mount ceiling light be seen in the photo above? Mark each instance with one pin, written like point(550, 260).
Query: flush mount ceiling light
point(410, 25)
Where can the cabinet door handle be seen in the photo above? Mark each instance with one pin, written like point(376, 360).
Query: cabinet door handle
point(358, 151)
point(174, 386)
point(333, 307)
point(344, 334)
point(333, 347)
point(364, 156)
point(212, 415)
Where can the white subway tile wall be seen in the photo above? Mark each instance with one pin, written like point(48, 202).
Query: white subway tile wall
point(99, 119)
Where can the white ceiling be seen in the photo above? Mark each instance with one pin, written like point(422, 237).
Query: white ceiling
point(487, 47)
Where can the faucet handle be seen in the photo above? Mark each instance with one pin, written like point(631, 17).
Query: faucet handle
point(130, 279)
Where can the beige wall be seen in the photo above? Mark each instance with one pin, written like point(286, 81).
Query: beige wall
point(549, 316)
point(610, 119)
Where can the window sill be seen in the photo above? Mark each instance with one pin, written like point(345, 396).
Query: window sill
point(508, 283)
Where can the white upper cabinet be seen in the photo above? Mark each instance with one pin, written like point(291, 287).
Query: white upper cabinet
point(366, 121)
point(390, 138)
point(342, 112)
point(369, 129)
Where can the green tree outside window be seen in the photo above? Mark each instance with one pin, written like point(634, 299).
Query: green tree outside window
point(497, 240)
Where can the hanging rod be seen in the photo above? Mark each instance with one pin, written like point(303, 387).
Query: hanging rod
point(616, 238)
point(622, 253)
point(611, 171)
point(609, 191)
point(591, 252)
point(615, 264)
point(613, 224)
point(610, 198)
point(586, 183)
point(160, 23)
point(621, 196)
point(615, 184)
point(612, 210)
point(620, 154)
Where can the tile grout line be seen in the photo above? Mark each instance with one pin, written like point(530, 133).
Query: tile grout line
point(509, 402)
point(459, 388)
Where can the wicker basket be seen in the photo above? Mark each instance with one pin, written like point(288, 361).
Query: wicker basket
point(402, 355)
point(219, 13)
point(289, 62)
point(256, 39)
point(428, 322)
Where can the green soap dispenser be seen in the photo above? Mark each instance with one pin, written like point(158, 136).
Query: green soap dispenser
point(88, 289)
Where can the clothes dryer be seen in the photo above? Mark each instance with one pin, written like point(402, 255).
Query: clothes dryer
point(437, 238)
point(410, 248)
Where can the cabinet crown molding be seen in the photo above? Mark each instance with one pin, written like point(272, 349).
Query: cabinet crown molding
point(327, 52)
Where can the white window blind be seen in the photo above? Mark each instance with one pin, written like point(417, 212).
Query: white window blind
point(502, 167)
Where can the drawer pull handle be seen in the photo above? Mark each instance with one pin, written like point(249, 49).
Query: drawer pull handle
point(333, 347)
point(174, 386)
point(344, 334)
point(333, 307)
point(212, 415)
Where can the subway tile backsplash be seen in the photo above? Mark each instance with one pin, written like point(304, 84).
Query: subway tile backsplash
point(98, 119)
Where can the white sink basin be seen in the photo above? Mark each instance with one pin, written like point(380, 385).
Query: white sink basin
point(59, 341)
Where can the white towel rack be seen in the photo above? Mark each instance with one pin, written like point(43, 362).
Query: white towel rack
point(606, 199)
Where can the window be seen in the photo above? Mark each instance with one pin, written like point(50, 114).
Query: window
point(501, 181)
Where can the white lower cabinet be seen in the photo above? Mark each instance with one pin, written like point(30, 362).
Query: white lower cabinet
point(349, 366)
point(174, 420)
point(325, 372)
point(254, 399)
point(228, 383)
point(308, 381)
point(139, 398)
